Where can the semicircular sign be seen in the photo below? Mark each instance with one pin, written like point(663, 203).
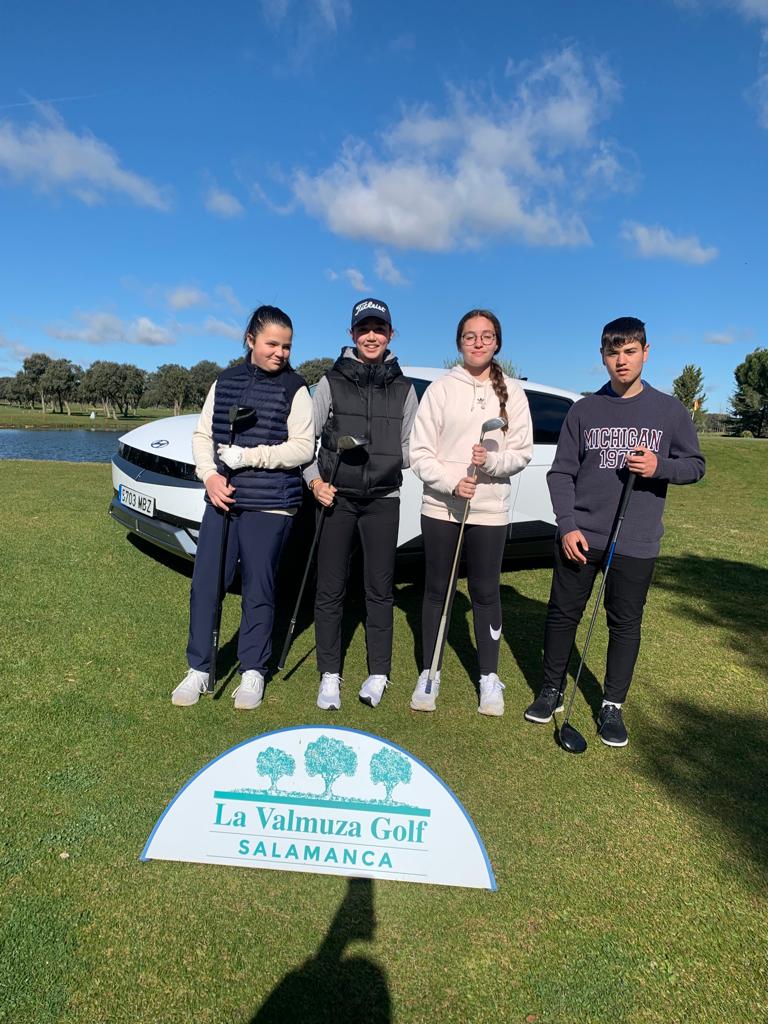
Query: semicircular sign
point(327, 800)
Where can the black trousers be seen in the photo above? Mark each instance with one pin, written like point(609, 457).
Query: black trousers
point(625, 592)
point(257, 540)
point(484, 549)
point(376, 521)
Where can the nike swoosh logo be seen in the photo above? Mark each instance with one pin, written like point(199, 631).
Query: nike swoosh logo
point(495, 633)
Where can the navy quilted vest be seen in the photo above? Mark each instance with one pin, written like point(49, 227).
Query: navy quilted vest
point(271, 394)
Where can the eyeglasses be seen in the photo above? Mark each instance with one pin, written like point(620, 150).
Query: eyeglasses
point(487, 338)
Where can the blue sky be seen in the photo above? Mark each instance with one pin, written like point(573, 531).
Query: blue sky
point(166, 167)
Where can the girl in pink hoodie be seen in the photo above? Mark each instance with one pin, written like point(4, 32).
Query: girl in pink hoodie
point(456, 469)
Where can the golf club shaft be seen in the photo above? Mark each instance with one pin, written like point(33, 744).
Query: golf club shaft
point(629, 484)
point(220, 581)
point(310, 556)
point(439, 642)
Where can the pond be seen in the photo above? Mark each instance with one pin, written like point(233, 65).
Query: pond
point(59, 445)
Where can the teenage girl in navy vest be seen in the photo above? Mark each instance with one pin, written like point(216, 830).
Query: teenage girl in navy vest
point(262, 498)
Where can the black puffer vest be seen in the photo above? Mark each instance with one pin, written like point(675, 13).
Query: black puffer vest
point(271, 394)
point(367, 400)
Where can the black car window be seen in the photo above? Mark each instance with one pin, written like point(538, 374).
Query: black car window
point(547, 413)
point(420, 386)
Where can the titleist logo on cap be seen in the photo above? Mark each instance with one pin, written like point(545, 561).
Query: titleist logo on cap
point(376, 309)
point(366, 304)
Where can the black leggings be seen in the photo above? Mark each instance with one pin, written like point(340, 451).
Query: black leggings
point(484, 550)
point(625, 592)
point(375, 520)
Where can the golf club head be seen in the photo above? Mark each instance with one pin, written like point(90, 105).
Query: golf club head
point(239, 413)
point(493, 424)
point(570, 739)
point(347, 442)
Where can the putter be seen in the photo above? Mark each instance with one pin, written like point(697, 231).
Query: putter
point(346, 444)
point(238, 416)
point(567, 737)
point(493, 424)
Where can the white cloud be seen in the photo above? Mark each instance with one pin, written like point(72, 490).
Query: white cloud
point(331, 275)
point(654, 241)
point(758, 93)
point(328, 12)
point(185, 296)
point(307, 28)
point(356, 279)
point(50, 156)
point(511, 168)
point(222, 203)
point(213, 325)
point(144, 332)
point(721, 338)
point(16, 349)
point(386, 269)
point(104, 328)
point(750, 9)
point(274, 11)
point(227, 294)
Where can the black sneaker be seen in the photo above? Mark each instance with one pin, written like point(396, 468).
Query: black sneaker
point(610, 726)
point(546, 704)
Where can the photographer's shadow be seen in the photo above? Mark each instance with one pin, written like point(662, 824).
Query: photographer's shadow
point(332, 987)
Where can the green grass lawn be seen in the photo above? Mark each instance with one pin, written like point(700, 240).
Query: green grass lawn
point(14, 418)
point(631, 883)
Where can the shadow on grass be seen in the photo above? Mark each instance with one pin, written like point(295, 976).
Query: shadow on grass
point(735, 595)
point(331, 986)
point(716, 763)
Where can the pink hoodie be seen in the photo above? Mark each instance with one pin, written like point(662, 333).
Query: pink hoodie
point(448, 423)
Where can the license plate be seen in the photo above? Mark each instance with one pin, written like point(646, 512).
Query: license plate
point(138, 502)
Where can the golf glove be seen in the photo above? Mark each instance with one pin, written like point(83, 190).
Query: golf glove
point(232, 455)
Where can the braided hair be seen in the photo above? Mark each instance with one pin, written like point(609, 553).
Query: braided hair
point(497, 374)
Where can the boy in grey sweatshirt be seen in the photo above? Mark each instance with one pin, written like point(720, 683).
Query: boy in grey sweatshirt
point(626, 427)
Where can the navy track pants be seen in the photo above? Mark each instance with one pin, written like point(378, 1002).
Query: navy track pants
point(257, 540)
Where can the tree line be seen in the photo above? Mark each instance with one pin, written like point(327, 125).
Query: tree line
point(749, 402)
point(119, 389)
point(122, 388)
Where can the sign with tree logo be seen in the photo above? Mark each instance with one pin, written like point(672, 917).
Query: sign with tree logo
point(326, 800)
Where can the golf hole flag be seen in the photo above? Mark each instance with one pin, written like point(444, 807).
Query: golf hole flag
point(326, 800)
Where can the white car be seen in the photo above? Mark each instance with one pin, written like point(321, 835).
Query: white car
point(158, 497)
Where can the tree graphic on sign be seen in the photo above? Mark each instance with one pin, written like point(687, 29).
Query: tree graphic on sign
point(389, 768)
point(275, 763)
point(331, 759)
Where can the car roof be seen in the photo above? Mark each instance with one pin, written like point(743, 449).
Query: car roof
point(433, 372)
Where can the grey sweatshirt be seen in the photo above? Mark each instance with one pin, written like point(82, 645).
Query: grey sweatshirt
point(588, 472)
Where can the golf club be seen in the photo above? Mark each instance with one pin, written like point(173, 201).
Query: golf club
point(238, 416)
point(493, 424)
point(346, 444)
point(570, 739)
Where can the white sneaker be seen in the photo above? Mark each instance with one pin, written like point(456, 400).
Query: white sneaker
point(189, 689)
point(250, 692)
point(329, 697)
point(373, 689)
point(491, 695)
point(420, 699)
